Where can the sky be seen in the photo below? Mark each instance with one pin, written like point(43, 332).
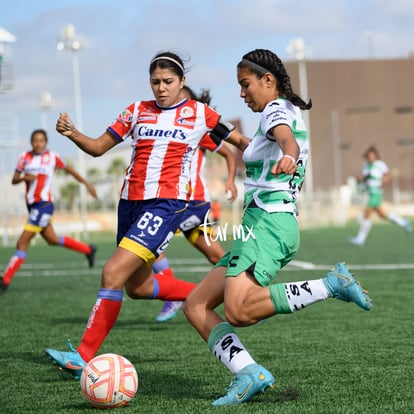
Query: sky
point(119, 39)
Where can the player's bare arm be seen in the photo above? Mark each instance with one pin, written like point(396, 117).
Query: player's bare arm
point(237, 139)
point(18, 177)
point(228, 155)
point(91, 189)
point(92, 146)
point(286, 141)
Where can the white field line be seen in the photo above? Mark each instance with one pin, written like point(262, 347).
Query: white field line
point(188, 266)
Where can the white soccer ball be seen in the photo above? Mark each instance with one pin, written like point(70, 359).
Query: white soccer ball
point(109, 381)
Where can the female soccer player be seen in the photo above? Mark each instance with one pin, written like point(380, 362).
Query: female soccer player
point(192, 224)
point(36, 169)
point(275, 166)
point(165, 133)
point(375, 173)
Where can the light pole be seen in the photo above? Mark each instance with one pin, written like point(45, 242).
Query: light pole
point(8, 125)
point(71, 41)
point(298, 50)
point(45, 104)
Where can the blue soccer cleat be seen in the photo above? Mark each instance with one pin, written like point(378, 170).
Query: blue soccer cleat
point(250, 381)
point(69, 361)
point(407, 227)
point(169, 311)
point(342, 285)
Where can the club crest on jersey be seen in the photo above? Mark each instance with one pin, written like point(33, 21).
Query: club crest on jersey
point(45, 158)
point(125, 116)
point(186, 112)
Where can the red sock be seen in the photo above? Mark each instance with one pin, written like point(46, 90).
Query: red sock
point(168, 272)
point(170, 288)
point(13, 266)
point(101, 320)
point(76, 245)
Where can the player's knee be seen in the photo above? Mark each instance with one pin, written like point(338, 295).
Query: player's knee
point(143, 290)
point(190, 306)
point(213, 258)
point(237, 316)
point(132, 292)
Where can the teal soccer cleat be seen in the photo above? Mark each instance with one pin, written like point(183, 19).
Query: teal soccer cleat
point(70, 361)
point(342, 285)
point(250, 381)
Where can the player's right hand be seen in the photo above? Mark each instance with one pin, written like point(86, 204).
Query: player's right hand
point(64, 125)
point(29, 177)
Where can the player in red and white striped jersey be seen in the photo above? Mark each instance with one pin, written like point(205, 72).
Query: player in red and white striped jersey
point(197, 212)
point(36, 169)
point(165, 133)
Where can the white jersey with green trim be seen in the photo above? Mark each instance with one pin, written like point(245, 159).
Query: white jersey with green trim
point(373, 173)
point(275, 194)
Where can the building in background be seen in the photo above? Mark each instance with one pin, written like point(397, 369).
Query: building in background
point(356, 104)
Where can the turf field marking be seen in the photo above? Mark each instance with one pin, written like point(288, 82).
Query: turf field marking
point(189, 266)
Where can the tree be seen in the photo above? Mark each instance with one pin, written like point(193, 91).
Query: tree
point(116, 170)
point(94, 175)
point(69, 192)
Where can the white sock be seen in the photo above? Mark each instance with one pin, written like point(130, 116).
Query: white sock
point(364, 230)
point(396, 219)
point(231, 352)
point(302, 294)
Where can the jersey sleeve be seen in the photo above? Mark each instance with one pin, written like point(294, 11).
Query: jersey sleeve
point(122, 127)
point(60, 162)
point(212, 117)
point(20, 162)
point(276, 113)
point(384, 167)
point(207, 142)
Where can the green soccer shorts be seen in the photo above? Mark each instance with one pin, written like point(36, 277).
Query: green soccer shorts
point(264, 244)
point(375, 199)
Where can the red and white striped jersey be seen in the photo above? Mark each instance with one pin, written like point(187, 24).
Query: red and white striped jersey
point(199, 189)
point(164, 141)
point(43, 166)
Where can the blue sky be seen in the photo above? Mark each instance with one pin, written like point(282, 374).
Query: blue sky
point(120, 38)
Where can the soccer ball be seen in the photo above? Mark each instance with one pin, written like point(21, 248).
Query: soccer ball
point(109, 381)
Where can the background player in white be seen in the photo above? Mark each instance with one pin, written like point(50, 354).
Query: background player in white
point(198, 207)
point(275, 167)
point(36, 169)
point(165, 133)
point(375, 173)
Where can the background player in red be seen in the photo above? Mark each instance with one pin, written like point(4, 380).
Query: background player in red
point(36, 169)
point(165, 133)
point(192, 224)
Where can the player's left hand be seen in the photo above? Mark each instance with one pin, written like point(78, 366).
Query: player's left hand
point(286, 165)
point(92, 190)
point(231, 191)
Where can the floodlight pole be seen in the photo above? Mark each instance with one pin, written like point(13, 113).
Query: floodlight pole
point(70, 41)
point(298, 50)
point(45, 103)
point(5, 39)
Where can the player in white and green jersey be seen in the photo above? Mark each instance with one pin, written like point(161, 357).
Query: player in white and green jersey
point(269, 238)
point(375, 173)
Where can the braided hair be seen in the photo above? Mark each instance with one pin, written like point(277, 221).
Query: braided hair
point(260, 61)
